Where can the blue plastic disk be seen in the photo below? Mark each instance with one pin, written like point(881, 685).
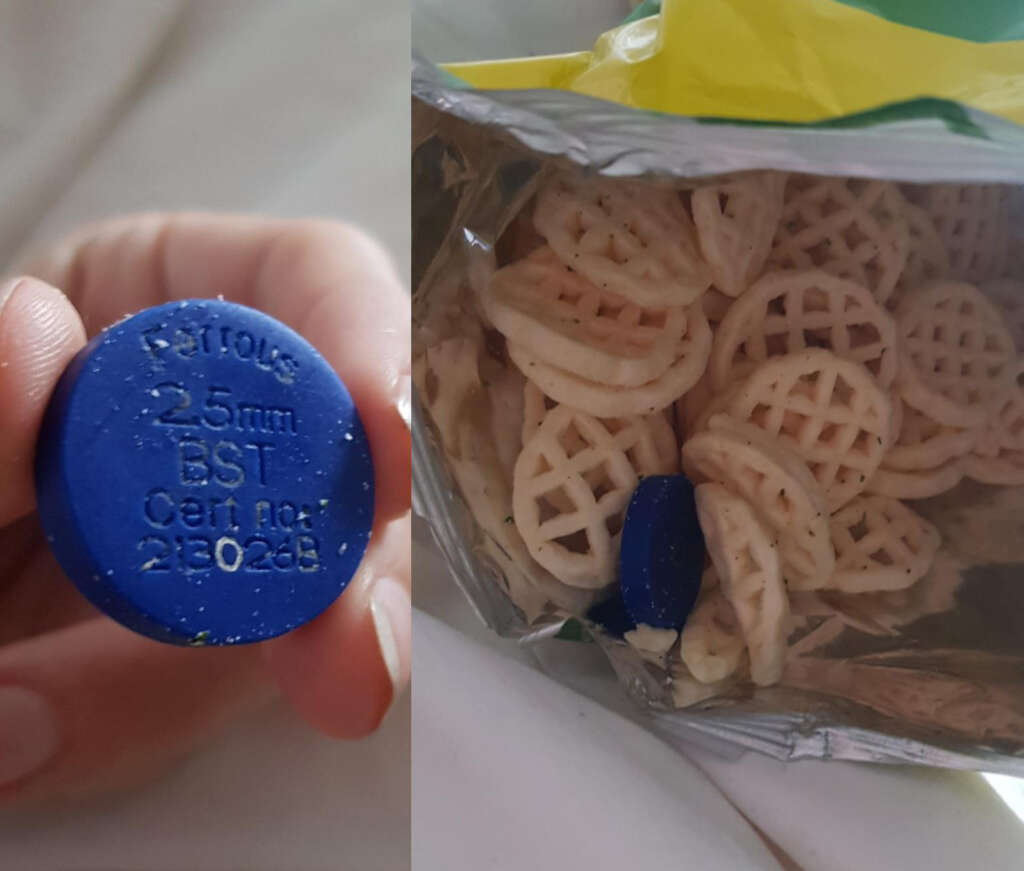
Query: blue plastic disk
point(662, 552)
point(611, 616)
point(203, 477)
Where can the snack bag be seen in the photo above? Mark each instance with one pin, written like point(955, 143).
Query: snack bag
point(718, 354)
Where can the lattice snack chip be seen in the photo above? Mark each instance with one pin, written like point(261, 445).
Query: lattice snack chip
point(747, 565)
point(449, 374)
point(924, 444)
point(973, 221)
point(632, 239)
point(829, 411)
point(927, 258)
point(711, 643)
point(778, 486)
point(736, 220)
point(788, 311)
point(562, 318)
point(957, 354)
point(535, 407)
point(603, 400)
point(455, 371)
point(896, 421)
point(919, 484)
point(1008, 296)
point(1005, 429)
point(852, 228)
point(998, 455)
point(1006, 469)
point(591, 468)
point(880, 545)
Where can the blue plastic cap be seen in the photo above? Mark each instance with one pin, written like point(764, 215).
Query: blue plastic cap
point(661, 556)
point(610, 614)
point(203, 477)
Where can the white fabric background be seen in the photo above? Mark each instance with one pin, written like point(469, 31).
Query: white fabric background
point(296, 108)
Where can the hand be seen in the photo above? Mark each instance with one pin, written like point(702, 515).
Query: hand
point(84, 703)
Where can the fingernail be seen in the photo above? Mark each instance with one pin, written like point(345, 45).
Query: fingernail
point(392, 618)
point(28, 733)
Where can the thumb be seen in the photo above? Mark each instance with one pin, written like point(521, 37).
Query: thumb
point(40, 331)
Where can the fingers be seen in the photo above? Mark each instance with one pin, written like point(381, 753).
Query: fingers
point(96, 706)
point(40, 332)
point(35, 596)
point(337, 288)
point(343, 670)
point(326, 280)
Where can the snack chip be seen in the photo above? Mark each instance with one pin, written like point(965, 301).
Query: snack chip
point(922, 443)
point(711, 644)
point(631, 239)
point(829, 411)
point(1008, 296)
point(736, 221)
point(590, 467)
point(927, 259)
point(565, 320)
point(919, 484)
point(777, 485)
point(785, 312)
point(604, 400)
point(450, 376)
point(880, 545)
point(973, 221)
point(851, 228)
point(958, 355)
point(747, 565)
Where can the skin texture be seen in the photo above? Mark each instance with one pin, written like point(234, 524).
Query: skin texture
point(125, 706)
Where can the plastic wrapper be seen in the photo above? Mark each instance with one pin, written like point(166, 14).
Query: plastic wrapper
point(932, 674)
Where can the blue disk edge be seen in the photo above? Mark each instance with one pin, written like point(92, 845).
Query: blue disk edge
point(661, 555)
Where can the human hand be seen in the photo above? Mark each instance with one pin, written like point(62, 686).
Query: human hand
point(86, 704)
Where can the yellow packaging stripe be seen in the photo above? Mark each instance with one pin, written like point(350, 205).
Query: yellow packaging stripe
point(773, 60)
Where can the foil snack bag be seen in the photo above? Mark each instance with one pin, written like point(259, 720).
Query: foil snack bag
point(673, 102)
